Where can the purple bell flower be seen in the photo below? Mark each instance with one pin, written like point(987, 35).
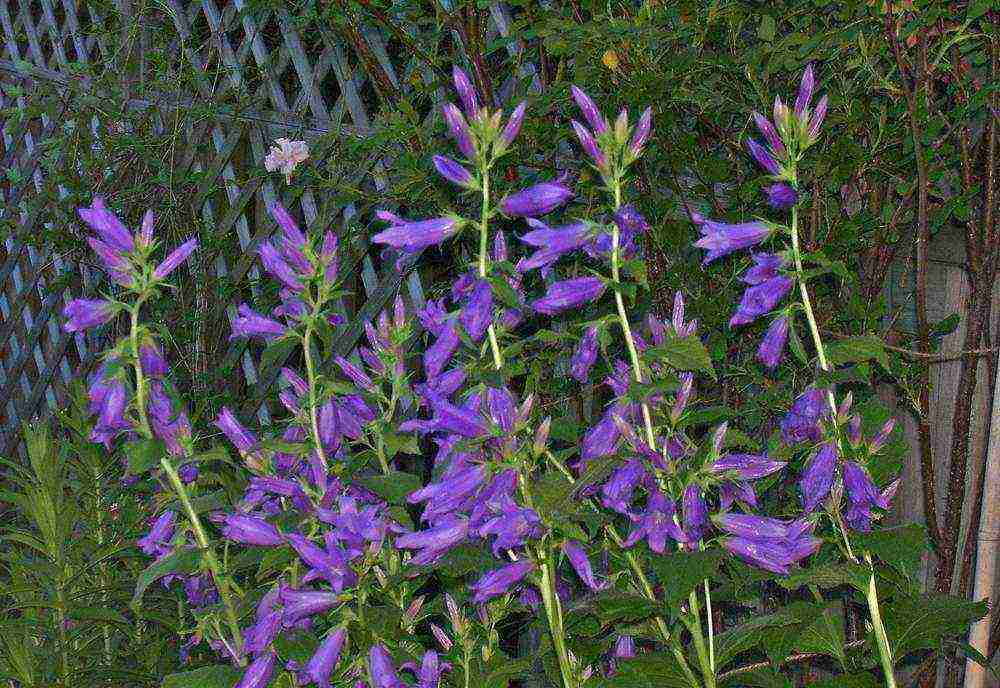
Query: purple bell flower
point(304, 604)
point(752, 527)
point(383, 673)
point(354, 374)
point(781, 196)
point(618, 492)
point(721, 239)
point(768, 555)
point(581, 564)
point(656, 524)
point(551, 243)
point(806, 89)
point(412, 237)
point(152, 361)
point(760, 299)
point(466, 92)
point(428, 674)
point(590, 145)
point(802, 422)
point(477, 313)
point(258, 674)
point(107, 226)
point(325, 658)
point(536, 200)
point(242, 439)
point(695, 513)
point(157, 541)
point(513, 125)
point(584, 355)
point(453, 171)
point(625, 647)
point(602, 438)
point(570, 293)
point(278, 268)
point(83, 314)
point(763, 158)
point(435, 542)
point(770, 134)
point(747, 466)
point(499, 581)
point(459, 130)
point(250, 530)
point(250, 323)
point(772, 346)
point(590, 111)
point(817, 478)
point(512, 527)
point(175, 258)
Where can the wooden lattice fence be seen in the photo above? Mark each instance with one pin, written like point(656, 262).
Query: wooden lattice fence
point(251, 74)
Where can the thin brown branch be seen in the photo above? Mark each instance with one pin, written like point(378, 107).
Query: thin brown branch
point(923, 239)
point(798, 658)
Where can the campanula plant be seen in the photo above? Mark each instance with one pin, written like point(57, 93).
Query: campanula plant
point(411, 499)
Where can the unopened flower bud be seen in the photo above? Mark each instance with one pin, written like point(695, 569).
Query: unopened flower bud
point(719, 437)
point(399, 312)
point(845, 407)
point(541, 437)
point(414, 609)
point(443, 640)
point(621, 126)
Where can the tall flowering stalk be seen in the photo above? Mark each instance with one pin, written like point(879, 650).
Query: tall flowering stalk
point(150, 414)
point(829, 472)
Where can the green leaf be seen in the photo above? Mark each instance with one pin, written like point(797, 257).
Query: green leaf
point(682, 572)
point(466, 559)
point(393, 487)
point(901, 547)
point(766, 677)
point(653, 670)
point(858, 349)
point(766, 28)
point(748, 635)
point(621, 606)
point(500, 676)
point(795, 342)
point(553, 495)
point(276, 353)
point(682, 353)
point(178, 561)
point(218, 676)
point(826, 576)
point(143, 454)
point(914, 623)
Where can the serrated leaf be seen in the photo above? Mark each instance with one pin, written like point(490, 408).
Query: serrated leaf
point(682, 353)
point(826, 576)
point(178, 561)
point(653, 670)
point(858, 349)
point(466, 559)
point(915, 623)
point(218, 676)
point(501, 676)
point(393, 487)
point(748, 634)
point(276, 353)
point(901, 547)
point(143, 454)
point(682, 572)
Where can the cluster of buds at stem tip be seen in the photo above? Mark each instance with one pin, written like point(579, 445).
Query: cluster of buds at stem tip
point(610, 148)
point(481, 135)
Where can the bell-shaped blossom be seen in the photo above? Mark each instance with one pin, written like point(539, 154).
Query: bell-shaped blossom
point(772, 346)
point(817, 478)
point(570, 293)
point(802, 422)
point(590, 145)
point(250, 530)
point(304, 604)
point(536, 200)
point(276, 265)
point(381, 669)
point(175, 258)
point(477, 313)
point(244, 440)
point(618, 492)
point(459, 130)
point(452, 171)
point(83, 314)
point(602, 438)
point(499, 581)
point(584, 355)
point(751, 526)
point(430, 670)
point(695, 513)
point(625, 647)
point(258, 674)
point(158, 541)
point(466, 92)
point(806, 89)
point(412, 237)
point(434, 542)
point(763, 157)
point(862, 495)
point(720, 239)
point(325, 658)
point(581, 564)
point(657, 524)
point(747, 466)
point(590, 110)
point(760, 299)
point(781, 196)
point(249, 323)
point(107, 226)
point(512, 527)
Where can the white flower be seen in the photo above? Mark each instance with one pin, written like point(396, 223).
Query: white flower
point(285, 155)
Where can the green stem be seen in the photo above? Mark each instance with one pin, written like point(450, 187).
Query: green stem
point(311, 378)
point(697, 635)
point(140, 379)
point(871, 595)
point(711, 627)
point(553, 610)
point(221, 583)
point(623, 318)
point(484, 219)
